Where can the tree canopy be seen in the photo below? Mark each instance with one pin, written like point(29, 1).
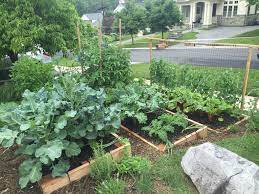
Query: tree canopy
point(133, 18)
point(162, 13)
point(90, 6)
point(24, 24)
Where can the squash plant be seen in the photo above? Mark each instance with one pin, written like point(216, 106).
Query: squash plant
point(51, 127)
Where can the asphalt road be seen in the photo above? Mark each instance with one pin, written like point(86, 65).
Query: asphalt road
point(200, 56)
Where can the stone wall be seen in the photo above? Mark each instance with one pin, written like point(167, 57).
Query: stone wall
point(240, 20)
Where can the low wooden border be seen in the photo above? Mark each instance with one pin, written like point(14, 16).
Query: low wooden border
point(199, 134)
point(238, 122)
point(49, 184)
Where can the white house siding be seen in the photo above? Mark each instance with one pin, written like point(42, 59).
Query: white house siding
point(240, 19)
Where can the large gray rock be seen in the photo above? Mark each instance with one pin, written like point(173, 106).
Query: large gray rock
point(215, 170)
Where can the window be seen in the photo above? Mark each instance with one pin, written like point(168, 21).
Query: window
point(225, 2)
point(236, 2)
point(235, 10)
point(230, 9)
point(214, 11)
point(230, 2)
point(225, 9)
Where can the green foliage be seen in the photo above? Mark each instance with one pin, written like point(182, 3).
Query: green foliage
point(111, 186)
point(48, 23)
point(52, 126)
point(133, 165)
point(8, 92)
point(166, 123)
point(31, 74)
point(133, 17)
point(113, 68)
point(253, 123)
point(90, 6)
point(190, 102)
point(145, 183)
point(162, 13)
point(223, 84)
point(103, 166)
point(234, 128)
point(137, 99)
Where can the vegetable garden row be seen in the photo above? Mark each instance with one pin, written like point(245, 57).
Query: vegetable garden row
point(65, 128)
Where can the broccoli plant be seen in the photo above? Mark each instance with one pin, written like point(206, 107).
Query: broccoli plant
point(167, 123)
point(52, 126)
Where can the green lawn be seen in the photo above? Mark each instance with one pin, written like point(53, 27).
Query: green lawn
point(168, 168)
point(251, 37)
point(188, 36)
point(142, 71)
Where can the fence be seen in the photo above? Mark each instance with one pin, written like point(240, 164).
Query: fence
point(219, 57)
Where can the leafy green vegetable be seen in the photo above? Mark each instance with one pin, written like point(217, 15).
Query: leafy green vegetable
point(166, 123)
point(52, 126)
point(137, 99)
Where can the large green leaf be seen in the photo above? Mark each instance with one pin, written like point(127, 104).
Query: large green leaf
point(29, 171)
point(60, 168)
point(49, 152)
point(72, 149)
point(7, 137)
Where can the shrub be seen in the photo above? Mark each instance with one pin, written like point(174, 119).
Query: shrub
point(112, 186)
point(31, 74)
point(253, 123)
point(52, 126)
point(113, 68)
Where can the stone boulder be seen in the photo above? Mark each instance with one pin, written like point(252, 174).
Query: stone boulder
point(215, 170)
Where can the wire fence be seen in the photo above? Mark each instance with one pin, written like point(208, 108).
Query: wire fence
point(204, 57)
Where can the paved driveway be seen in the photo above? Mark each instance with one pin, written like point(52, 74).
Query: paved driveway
point(223, 32)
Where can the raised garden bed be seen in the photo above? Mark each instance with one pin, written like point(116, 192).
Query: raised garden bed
point(134, 128)
point(49, 184)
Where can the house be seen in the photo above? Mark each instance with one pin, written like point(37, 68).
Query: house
point(93, 18)
point(218, 12)
point(121, 5)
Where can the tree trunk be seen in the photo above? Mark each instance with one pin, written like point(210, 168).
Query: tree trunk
point(13, 56)
point(132, 39)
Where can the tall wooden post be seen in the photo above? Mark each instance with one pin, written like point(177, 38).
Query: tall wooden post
point(150, 52)
point(248, 66)
point(78, 36)
point(120, 31)
point(79, 42)
point(100, 38)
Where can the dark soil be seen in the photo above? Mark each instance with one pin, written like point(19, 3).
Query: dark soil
point(134, 126)
point(215, 123)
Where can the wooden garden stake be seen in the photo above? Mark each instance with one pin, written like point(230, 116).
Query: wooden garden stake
point(78, 36)
point(150, 52)
point(120, 31)
point(248, 66)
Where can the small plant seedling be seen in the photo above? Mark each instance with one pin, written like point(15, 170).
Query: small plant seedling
point(111, 186)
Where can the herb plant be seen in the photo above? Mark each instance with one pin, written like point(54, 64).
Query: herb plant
point(133, 165)
point(111, 186)
point(51, 127)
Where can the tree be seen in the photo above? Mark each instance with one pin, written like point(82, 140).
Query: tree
point(162, 13)
point(253, 2)
point(24, 24)
point(133, 18)
point(90, 6)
